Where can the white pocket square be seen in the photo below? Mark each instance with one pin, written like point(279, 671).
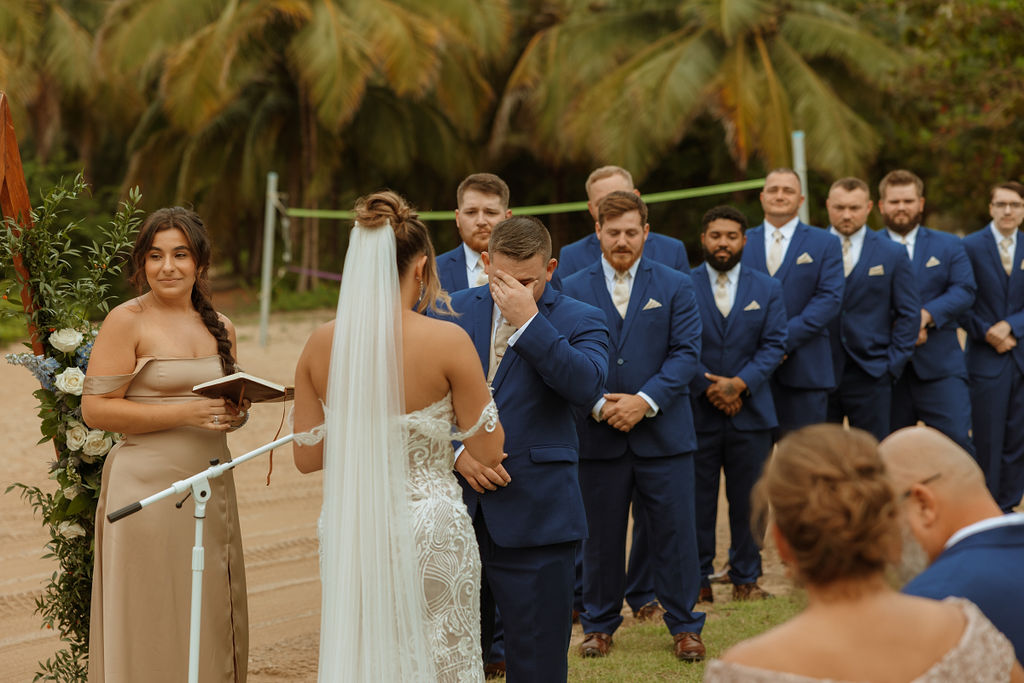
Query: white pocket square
point(651, 303)
point(1022, 264)
point(876, 270)
point(932, 262)
point(804, 258)
point(753, 306)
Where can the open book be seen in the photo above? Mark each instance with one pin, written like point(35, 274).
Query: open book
point(242, 385)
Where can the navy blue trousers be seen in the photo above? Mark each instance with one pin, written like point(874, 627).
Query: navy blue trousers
point(796, 408)
point(664, 491)
point(998, 418)
point(741, 456)
point(865, 400)
point(944, 404)
point(532, 587)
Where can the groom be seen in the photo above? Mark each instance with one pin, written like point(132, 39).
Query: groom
point(543, 353)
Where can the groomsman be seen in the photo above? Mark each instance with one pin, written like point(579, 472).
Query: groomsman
point(933, 387)
point(544, 353)
point(995, 361)
point(483, 203)
point(874, 335)
point(808, 262)
point(743, 341)
point(580, 255)
point(639, 433)
point(585, 252)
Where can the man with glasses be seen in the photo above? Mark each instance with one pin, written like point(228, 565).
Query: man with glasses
point(995, 362)
point(952, 523)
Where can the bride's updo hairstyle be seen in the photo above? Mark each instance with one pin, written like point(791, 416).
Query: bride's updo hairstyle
point(191, 225)
point(827, 491)
point(412, 239)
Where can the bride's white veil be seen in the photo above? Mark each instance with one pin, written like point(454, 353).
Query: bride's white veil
point(372, 625)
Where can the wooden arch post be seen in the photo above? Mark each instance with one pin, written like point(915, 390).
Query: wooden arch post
point(14, 201)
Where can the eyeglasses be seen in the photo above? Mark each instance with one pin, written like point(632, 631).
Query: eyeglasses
point(1002, 206)
point(923, 482)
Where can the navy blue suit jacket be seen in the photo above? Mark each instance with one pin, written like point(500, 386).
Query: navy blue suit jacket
point(560, 361)
point(451, 269)
point(812, 288)
point(985, 568)
point(998, 298)
point(655, 349)
point(881, 313)
point(945, 285)
point(749, 344)
point(585, 252)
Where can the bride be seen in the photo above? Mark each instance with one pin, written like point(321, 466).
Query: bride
point(388, 389)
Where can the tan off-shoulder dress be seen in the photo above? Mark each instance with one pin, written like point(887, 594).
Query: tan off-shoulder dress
point(142, 580)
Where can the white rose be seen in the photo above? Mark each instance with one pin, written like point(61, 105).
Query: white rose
point(69, 529)
point(71, 381)
point(75, 434)
point(97, 443)
point(66, 340)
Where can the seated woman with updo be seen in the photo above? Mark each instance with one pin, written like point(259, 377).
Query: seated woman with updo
point(833, 517)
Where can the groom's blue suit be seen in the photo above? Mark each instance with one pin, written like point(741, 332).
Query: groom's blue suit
point(528, 530)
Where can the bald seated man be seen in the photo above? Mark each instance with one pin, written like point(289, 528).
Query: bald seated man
point(974, 550)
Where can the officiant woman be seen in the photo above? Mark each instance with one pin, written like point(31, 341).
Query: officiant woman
point(149, 354)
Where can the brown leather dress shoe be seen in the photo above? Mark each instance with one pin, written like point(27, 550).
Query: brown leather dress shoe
point(596, 645)
point(706, 594)
point(749, 591)
point(689, 647)
point(652, 611)
point(494, 670)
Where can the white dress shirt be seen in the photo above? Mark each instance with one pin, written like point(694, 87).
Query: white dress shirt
point(609, 281)
point(910, 237)
point(733, 284)
point(984, 525)
point(787, 229)
point(856, 243)
point(474, 266)
point(999, 237)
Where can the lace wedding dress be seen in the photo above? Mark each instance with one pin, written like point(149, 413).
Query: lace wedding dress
point(448, 558)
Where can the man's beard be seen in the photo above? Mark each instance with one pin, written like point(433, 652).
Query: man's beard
point(913, 558)
point(903, 229)
point(722, 266)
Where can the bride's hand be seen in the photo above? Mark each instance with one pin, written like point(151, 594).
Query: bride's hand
point(480, 477)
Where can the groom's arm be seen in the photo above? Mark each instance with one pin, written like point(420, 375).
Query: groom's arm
point(574, 361)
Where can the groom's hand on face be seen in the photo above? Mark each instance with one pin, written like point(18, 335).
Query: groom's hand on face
point(514, 299)
point(480, 477)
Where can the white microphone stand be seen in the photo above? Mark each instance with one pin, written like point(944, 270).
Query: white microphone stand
point(199, 487)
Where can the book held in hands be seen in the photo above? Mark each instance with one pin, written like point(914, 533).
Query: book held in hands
point(241, 385)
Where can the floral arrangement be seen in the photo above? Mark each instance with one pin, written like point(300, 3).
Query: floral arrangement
point(68, 285)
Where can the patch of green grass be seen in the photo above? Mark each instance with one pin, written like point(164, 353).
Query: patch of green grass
point(643, 652)
point(12, 330)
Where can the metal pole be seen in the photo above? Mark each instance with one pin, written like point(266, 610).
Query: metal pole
point(269, 216)
point(800, 166)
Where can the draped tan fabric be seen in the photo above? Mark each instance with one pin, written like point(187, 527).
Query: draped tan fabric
point(142, 580)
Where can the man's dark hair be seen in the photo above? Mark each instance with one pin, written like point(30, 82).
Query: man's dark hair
point(1012, 186)
point(850, 184)
point(520, 238)
point(615, 204)
point(726, 212)
point(486, 183)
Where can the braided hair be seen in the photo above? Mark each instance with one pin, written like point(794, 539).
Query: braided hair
point(189, 223)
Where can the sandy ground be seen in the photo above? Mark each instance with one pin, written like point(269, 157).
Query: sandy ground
point(278, 524)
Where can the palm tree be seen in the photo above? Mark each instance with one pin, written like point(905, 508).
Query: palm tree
point(240, 88)
point(623, 81)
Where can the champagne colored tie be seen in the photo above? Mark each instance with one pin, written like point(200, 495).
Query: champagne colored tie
point(775, 252)
point(499, 347)
point(910, 249)
point(847, 256)
point(1005, 255)
point(620, 293)
point(722, 295)
point(481, 278)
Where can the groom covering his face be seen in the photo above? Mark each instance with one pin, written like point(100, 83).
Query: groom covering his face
point(543, 354)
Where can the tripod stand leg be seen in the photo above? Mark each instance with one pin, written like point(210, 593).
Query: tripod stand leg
point(200, 494)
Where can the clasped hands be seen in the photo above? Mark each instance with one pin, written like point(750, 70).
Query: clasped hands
point(623, 411)
point(480, 477)
point(725, 393)
point(1000, 337)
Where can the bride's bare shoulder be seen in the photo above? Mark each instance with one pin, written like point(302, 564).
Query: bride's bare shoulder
point(320, 340)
